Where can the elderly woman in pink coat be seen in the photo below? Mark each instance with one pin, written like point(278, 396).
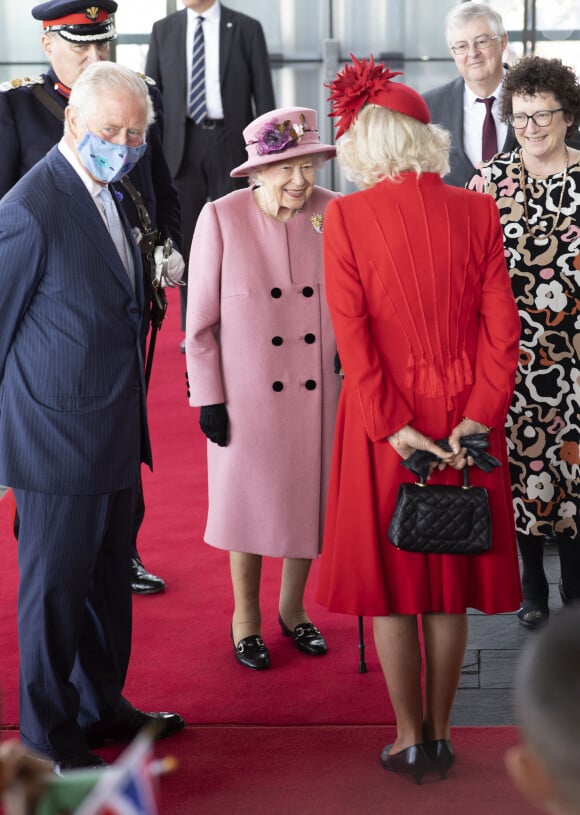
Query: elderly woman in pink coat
point(260, 356)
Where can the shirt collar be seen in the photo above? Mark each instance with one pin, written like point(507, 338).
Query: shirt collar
point(92, 186)
point(472, 97)
point(213, 13)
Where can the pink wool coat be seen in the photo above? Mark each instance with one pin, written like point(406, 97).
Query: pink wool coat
point(259, 338)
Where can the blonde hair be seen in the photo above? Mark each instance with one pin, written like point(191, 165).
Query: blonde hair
point(384, 143)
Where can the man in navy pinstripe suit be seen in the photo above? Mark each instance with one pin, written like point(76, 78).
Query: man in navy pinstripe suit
point(73, 422)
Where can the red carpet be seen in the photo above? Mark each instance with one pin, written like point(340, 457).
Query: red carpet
point(250, 745)
point(329, 770)
point(335, 771)
point(182, 656)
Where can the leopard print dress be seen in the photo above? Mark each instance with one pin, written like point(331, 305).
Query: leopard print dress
point(543, 426)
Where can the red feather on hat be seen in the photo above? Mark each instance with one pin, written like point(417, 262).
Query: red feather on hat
point(356, 85)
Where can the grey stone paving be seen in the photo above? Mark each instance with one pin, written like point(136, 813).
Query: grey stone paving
point(485, 690)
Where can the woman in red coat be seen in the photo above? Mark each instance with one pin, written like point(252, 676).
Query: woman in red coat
point(427, 332)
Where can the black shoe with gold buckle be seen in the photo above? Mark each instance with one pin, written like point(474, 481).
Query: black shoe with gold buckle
point(251, 652)
point(307, 637)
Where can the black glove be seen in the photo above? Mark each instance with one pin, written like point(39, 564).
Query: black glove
point(337, 365)
point(475, 444)
point(213, 420)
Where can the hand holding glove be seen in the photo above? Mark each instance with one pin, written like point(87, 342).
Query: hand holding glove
point(407, 440)
point(174, 267)
point(213, 420)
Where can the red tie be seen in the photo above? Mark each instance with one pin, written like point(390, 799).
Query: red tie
point(489, 133)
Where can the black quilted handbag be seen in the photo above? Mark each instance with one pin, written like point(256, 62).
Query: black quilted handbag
point(441, 518)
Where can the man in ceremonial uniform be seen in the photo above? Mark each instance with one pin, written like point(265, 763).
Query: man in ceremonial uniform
point(75, 35)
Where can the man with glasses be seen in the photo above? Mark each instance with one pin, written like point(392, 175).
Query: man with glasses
point(469, 106)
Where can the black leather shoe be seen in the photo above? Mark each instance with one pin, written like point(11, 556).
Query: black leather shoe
point(142, 581)
point(530, 615)
point(441, 755)
point(78, 761)
point(307, 637)
point(163, 724)
point(252, 653)
point(412, 760)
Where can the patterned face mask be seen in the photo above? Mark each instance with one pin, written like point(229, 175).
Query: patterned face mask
point(106, 161)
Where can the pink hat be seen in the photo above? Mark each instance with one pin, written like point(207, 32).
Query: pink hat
point(365, 83)
point(281, 134)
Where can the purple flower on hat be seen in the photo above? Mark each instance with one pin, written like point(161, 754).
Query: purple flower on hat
point(276, 136)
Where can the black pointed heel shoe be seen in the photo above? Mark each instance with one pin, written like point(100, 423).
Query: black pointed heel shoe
point(441, 755)
point(252, 653)
point(413, 761)
point(307, 637)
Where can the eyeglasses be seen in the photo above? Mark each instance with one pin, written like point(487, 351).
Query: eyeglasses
point(481, 43)
point(541, 118)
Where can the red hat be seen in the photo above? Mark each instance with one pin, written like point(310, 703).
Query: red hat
point(364, 83)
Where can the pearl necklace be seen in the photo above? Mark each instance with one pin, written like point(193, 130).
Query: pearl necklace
point(541, 237)
point(262, 203)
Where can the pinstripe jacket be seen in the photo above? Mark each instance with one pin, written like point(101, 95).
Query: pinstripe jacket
point(72, 394)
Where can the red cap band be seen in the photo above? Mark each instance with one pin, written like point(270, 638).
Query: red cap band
point(78, 19)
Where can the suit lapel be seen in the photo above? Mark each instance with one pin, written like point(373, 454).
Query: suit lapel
point(178, 46)
point(227, 27)
point(83, 210)
point(135, 255)
point(456, 115)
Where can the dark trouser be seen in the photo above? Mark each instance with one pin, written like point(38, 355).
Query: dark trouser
point(138, 516)
point(204, 175)
point(74, 615)
point(534, 583)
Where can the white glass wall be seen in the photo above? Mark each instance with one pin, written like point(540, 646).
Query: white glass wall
point(309, 40)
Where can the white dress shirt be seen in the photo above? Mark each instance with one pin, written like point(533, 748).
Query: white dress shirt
point(211, 38)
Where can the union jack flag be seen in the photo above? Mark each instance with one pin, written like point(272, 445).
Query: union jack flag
point(128, 787)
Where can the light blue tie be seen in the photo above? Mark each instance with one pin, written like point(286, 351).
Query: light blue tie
point(197, 109)
point(117, 232)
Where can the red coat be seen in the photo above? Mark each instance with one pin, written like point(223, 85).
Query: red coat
point(427, 332)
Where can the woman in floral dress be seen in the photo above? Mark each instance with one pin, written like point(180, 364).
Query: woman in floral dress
point(537, 191)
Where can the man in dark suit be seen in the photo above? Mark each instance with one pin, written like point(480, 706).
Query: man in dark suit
point(73, 421)
point(76, 34)
point(237, 87)
point(476, 38)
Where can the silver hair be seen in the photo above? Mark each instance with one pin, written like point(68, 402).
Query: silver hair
point(102, 78)
point(465, 13)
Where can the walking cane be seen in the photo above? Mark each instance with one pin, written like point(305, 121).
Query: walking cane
point(362, 666)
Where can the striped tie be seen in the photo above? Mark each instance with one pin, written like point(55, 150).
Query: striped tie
point(197, 109)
